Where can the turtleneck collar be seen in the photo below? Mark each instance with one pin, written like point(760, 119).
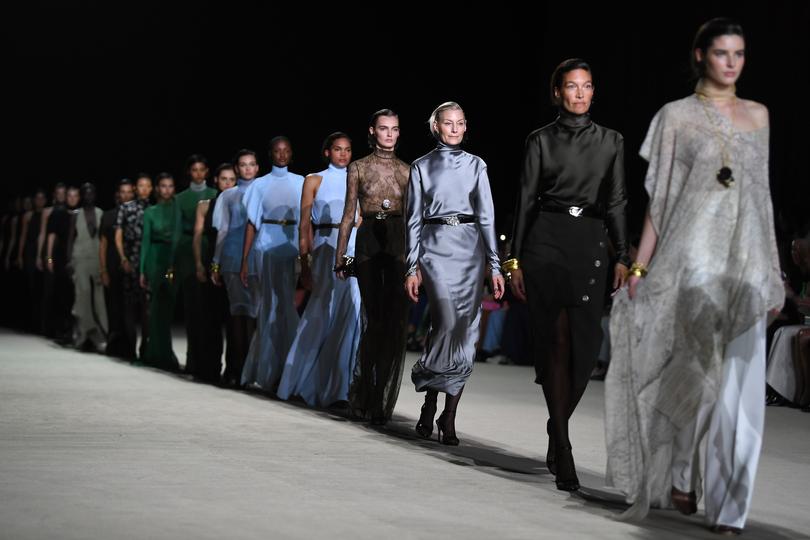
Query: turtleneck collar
point(384, 154)
point(333, 167)
point(278, 171)
point(197, 187)
point(571, 120)
point(243, 182)
point(442, 146)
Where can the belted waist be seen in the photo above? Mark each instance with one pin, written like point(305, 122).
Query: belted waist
point(450, 220)
point(279, 221)
point(574, 211)
point(380, 215)
point(317, 226)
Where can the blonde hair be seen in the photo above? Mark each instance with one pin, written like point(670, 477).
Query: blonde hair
point(434, 116)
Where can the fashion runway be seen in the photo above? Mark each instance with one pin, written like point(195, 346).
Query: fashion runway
point(92, 447)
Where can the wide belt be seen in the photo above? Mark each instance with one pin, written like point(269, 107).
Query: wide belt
point(574, 211)
point(380, 215)
point(280, 221)
point(450, 220)
point(317, 226)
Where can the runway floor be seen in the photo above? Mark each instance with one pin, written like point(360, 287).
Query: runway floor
point(93, 447)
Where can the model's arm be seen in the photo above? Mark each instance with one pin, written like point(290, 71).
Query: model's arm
point(311, 185)
point(646, 249)
point(43, 233)
point(23, 234)
point(196, 240)
point(527, 198)
point(349, 213)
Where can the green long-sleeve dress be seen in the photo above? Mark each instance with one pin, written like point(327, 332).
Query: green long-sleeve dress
point(186, 280)
point(161, 233)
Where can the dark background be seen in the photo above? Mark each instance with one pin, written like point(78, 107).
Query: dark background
point(98, 93)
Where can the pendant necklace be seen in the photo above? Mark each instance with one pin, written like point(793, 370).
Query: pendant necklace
point(724, 175)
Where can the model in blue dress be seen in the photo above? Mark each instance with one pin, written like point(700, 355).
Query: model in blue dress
point(321, 360)
point(273, 206)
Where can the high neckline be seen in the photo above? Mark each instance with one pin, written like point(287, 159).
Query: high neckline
point(278, 171)
point(197, 187)
point(384, 154)
point(442, 146)
point(243, 182)
point(333, 167)
point(571, 120)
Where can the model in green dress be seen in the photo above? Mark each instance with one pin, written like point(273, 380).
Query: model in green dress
point(161, 234)
point(184, 265)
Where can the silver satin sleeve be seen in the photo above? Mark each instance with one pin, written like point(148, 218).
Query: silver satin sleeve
point(485, 212)
point(414, 223)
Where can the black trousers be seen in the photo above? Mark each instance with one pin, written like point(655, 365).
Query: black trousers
point(117, 342)
point(136, 313)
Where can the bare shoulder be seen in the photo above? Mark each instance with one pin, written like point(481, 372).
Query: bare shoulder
point(313, 178)
point(756, 111)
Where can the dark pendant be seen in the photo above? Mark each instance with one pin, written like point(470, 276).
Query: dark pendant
point(724, 177)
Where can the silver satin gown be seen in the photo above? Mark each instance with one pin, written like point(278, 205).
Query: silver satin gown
point(450, 182)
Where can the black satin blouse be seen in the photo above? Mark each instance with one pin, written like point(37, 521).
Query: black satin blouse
point(574, 162)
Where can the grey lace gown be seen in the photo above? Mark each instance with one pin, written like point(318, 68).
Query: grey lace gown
point(450, 182)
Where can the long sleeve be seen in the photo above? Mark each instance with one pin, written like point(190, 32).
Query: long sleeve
point(221, 221)
point(485, 212)
point(529, 188)
point(349, 210)
point(616, 205)
point(146, 242)
point(414, 223)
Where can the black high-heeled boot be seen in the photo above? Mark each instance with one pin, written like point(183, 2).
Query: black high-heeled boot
point(566, 478)
point(424, 427)
point(551, 454)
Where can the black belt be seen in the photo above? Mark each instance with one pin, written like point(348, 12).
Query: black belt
point(317, 226)
point(574, 211)
point(280, 221)
point(450, 220)
point(380, 215)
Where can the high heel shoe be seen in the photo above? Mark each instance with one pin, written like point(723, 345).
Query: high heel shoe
point(686, 503)
point(566, 478)
point(447, 428)
point(551, 455)
point(424, 427)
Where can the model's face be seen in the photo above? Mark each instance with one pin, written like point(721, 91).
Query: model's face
point(125, 193)
point(72, 198)
point(88, 196)
point(340, 153)
point(143, 187)
point(39, 201)
point(59, 195)
point(281, 154)
point(576, 92)
point(386, 132)
point(451, 126)
point(198, 172)
point(247, 167)
point(724, 59)
point(226, 179)
point(166, 189)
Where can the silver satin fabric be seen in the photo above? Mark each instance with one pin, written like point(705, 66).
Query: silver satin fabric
point(451, 258)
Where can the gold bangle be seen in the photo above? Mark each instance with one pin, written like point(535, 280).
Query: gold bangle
point(49, 260)
point(638, 269)
point(215, 268)
point(511, 265)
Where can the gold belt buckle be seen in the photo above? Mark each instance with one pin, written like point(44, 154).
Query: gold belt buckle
point(452, 221)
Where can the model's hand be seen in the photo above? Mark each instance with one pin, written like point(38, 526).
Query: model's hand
point(144, 284)
point(243, 275)
point(49, 264)
point(497, 286)
point(201, 275)
point(216, 279)
point(517, 285)
point(412, 287)
point(105, 279)
point(619, 276)
point(632, 283)
point(126, 266)
point(39, 264)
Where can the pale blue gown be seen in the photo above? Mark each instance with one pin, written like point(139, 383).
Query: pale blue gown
point(321, 360)
point(275, 196)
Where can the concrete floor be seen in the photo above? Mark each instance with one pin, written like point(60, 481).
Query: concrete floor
point(92, 447)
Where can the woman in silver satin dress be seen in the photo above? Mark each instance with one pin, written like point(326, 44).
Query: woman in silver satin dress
point(451, 238)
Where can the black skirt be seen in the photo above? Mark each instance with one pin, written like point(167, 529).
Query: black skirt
point(565, 265)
